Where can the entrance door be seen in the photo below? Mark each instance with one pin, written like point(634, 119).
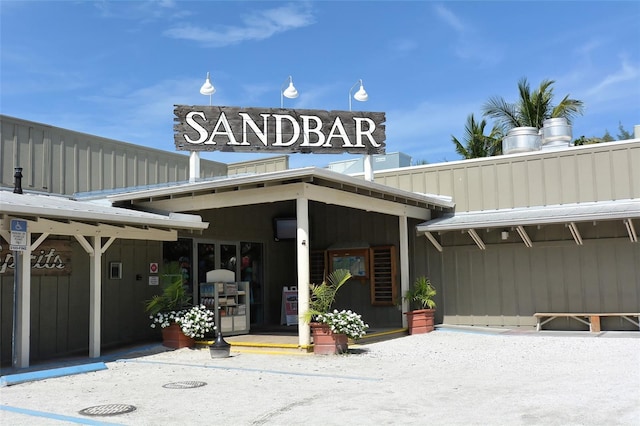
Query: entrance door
point(244, 259)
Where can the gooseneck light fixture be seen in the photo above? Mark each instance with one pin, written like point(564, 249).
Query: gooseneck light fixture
point(207, 88)
point(290, 92)
point(360, 95)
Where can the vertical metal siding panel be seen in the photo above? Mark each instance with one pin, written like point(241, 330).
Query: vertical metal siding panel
point(460, 188)
point(47, 331)
point(84, 169)
point(505, 260)
point(62, 313)
point(591, 287)
point(587, 176)
point(602, 182)
point(535, 181)
point(431, 180)
point(463, 275)
point(569, 179)
point(523, 281)
point(404, 182)
point(475, 184)
point(608, 277)
point(505, 186)
point(478, 291)
point(120, 170)
point(552, 181)
point(621, 174)
point(417, 182)
point(95, 169)
point(445, 187)
point(572, 277)
point(489, 185)
point(633, 166)
point(628, 267)
point(492, 285)
point(541, 291)
point(520, 184)
point(554, 271)
point(40, 159)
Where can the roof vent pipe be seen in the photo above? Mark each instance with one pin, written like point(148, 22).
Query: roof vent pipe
point(17, 183)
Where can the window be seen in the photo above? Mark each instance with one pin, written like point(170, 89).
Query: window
point(384, 289)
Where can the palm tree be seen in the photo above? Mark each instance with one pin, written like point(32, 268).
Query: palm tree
point(477, 144)
point(532, 108)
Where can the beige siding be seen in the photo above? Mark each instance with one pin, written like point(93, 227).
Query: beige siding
point(506, 284)
point(606, 171)
point(62, 161)
point(273, 164)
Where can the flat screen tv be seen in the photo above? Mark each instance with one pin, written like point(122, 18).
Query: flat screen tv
point(284, 228)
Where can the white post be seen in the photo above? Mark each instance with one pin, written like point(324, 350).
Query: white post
point(194, 166)
point(95, 279)
point(23, 307)
point(404, 264)
point(302, 252)
point(368, 167)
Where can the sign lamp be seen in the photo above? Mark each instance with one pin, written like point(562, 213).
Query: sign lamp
point(361, 94)
point(290, 92)
point(208, 89)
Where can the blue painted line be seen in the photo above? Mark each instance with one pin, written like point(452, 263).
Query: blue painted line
point(13, 379)
point(79, 420)
point(256, 370)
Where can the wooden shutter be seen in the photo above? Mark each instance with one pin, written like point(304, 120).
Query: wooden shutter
point(383, 275)
point(317, 266)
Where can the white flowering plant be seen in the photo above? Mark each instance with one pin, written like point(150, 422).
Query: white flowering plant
point(195, 322)
point(344, 322)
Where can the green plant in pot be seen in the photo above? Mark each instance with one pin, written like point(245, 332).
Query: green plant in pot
point(421, 294)
point(173, 307)
point(331, 329)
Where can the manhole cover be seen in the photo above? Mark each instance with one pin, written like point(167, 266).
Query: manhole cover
point(108, 410)
point(183, 385)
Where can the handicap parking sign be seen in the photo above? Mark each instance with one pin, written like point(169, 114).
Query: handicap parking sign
point(18, 235)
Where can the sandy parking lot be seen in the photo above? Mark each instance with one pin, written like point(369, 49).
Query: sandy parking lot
point(448, 377)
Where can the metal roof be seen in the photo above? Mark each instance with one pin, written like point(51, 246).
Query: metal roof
point(312, 183)
point(49, 213)
point(538, 215)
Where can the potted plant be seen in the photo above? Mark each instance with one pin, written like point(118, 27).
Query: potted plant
point(421, 320)
point(180, 321)
point(332, 329)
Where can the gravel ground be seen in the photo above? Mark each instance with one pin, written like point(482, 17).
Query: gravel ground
point(442, 378)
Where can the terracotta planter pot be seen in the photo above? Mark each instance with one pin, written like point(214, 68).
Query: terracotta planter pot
point(326, 342)
point(420, 321)
point(173, 337)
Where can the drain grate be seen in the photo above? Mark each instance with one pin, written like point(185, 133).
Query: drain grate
point(184, 385)
point(108, 410)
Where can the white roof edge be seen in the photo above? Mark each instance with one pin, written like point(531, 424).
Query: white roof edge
point(60, 207)
point(537, 215)
point(282, 175)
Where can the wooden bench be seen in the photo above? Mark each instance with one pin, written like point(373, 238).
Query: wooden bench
point(590, 319)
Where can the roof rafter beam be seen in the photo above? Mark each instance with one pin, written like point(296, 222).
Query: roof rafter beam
point(433, 240)
point(477, 239)
point(575, 232)
point(631, 230)
point(524, 236)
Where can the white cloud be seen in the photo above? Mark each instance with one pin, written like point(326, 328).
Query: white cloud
point(257, 26)
point(450, 18)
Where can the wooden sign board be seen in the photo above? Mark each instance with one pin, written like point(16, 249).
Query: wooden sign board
point(273, 130)
point(52, 257)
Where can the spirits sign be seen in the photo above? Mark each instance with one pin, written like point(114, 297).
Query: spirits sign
point(234, 129)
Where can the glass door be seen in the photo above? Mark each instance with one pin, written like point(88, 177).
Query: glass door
point(244, 259)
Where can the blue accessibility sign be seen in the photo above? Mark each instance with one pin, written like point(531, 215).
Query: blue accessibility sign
point(18, 225)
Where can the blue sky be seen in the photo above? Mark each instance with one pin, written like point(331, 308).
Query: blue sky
point(116, 68)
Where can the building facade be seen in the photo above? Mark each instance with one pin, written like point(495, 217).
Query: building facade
point(501, 238)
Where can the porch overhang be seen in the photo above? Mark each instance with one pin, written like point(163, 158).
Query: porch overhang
point(571, 215)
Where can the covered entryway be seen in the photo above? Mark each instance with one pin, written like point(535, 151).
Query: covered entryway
point(95, 226)
point(247, 196)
